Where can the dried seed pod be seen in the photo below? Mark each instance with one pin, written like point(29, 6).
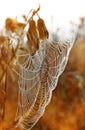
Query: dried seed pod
point(32, 36)
point(43, 32)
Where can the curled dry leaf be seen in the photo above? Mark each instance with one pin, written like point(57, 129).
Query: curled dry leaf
point(14, 26)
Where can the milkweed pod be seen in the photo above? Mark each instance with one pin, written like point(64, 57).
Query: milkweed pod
point(43, 32)
point(32, 25)
point(32, 35)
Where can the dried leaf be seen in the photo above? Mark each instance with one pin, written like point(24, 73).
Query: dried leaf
point(14, 26)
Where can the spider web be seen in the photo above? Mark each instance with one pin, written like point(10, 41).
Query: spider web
point(38, 76)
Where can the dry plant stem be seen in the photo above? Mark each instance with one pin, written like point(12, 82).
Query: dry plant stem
point(5, 91)
point(2, 72)
point(33, 13)
point(5, 88)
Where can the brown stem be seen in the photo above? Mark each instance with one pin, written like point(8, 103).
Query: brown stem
point(5, 91)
